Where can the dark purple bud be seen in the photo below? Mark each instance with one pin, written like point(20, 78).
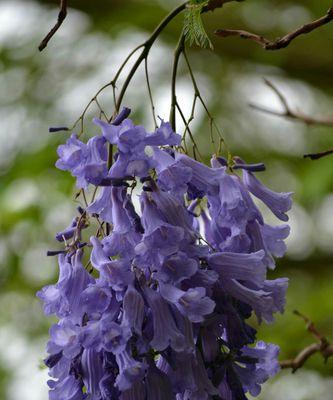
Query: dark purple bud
point(129, 178)
point(58, 129)
point(223, 161)
point(119, 183)
point(133, 216)
point(170, 151)
point(240, 164)
point(105, 182)
point(251, 167)
point(66, 234)
point(138, 226)
point(113, 182)
point(147, 189)
point(146, 179)
point(52, 360)
point(81, 210)
point(124, 113)
point(51, 253)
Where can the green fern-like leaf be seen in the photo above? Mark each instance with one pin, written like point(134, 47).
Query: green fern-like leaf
point(194, 29)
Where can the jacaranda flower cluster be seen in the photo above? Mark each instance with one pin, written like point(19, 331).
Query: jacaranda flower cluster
point(155, 305)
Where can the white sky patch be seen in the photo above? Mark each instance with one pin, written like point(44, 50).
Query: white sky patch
point(300, 242)
point(21, 357)
point(22, 193)
point(323, 220)
point(304, 385)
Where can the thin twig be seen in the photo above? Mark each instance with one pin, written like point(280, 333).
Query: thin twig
point(61, 17)
point(178, 52)
point(150, 93)
point(323, 346)
point(146, 49)
point(288, 112)
point(316, 156)
point(198, 94)
point(195, 147)
point(146, 46)
point(111, 83)
point(279, 43)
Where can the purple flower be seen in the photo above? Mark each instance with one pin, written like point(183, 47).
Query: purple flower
point(63, 298)
point(172, 175)
point(87, 162)
point(204, 179)
point(193, 303)
point(116, 272)
point(92, 372)
point(130, 371)
point(126, 135)
point(105, 334)
point(133, 310)
point(165, 330)
point(95, 299)
point(164, 314)
point(264, 365)
point(64, 337)
point(161, 239)
point(102, 205)
point(131, 141)
point(136, 392)
point(68, 232)
point(177, 268)
point(163, 136)
point(158, 384)
point(243, 277)
point(274, 236)
point(68, 389)
point(278, 203)
point(244, 267)
point(71, 154)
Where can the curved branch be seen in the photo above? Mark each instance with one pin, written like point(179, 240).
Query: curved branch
point(288, 112)
point(147, 46)
point(324, 347)
point(304, 355)
point(279, 43)
point(178, 51)
point(143, 56)
point(61, 17)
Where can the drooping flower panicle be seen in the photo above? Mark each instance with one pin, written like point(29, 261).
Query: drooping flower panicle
point(176, 274)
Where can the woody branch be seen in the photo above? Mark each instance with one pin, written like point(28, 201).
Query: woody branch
point(278, 43)
point(322, 346)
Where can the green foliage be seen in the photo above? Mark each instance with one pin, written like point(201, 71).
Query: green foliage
point(194, 29)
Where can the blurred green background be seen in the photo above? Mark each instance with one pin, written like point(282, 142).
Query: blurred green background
point(38, 90)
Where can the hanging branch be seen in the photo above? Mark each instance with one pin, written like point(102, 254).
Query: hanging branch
point(324, 347)
point(145, 46)
point(178, 52)
point(296, 116)
point(152, 104)
point(279, 43)
point(288, 112)
point(61, 17)
point(146, 49)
